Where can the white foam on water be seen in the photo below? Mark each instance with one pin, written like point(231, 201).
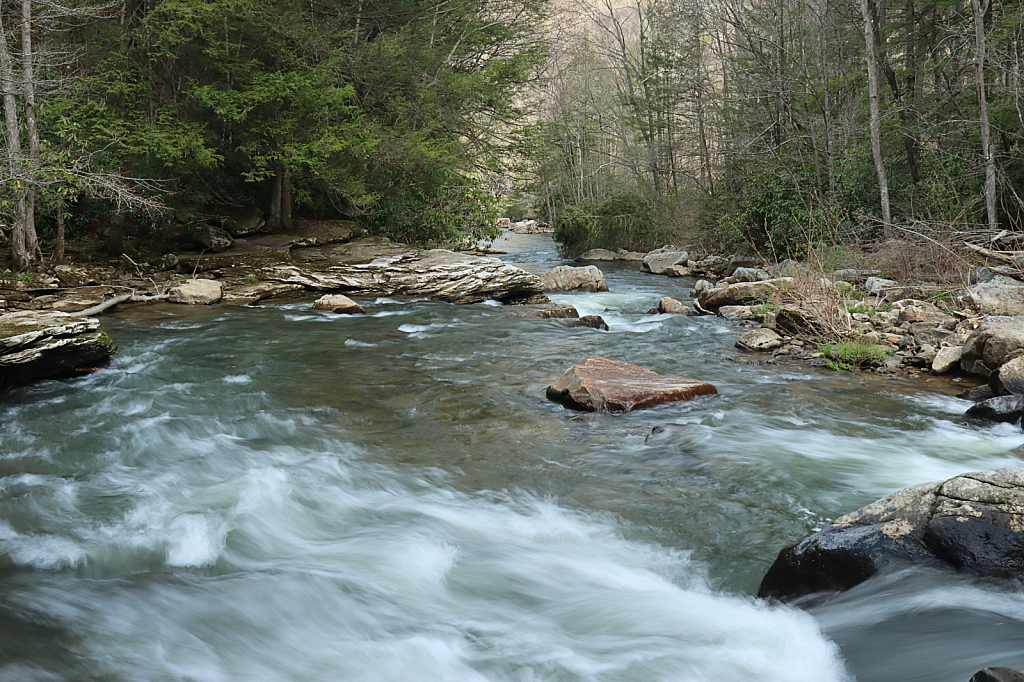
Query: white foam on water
point(237, 379)
point(359, 344)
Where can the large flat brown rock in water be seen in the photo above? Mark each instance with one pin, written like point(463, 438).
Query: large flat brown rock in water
point(602, 384)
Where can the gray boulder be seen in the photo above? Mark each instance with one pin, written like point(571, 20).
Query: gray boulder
point(973, 522)
point(994, 342)
point(996, 299)
point(598, 255)
point(661, 261)
point(197, 292)
point(761, 340)
point(947, 359)
point(213, 238)
point(568, 278)
point(244, 221)
point(1009, 378)
point(671, 306)
point(741, 293)
point(746, 256)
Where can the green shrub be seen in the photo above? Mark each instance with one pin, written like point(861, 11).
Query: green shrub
point(620, 221)
point(849, 354)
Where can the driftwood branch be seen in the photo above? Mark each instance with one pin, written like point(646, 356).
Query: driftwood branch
point(110, 303)
point(994, 255)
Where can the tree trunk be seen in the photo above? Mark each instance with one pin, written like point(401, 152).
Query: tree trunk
point(59, 251)
point(12, 136)
point(875, 124)
point(987, 146)
point(28, 89)
point(274, 219)
point(286, 199)
point(115, 238)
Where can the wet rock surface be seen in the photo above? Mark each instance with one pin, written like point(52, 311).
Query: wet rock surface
point(973, 522)
point(568, 278)
point(41, 345)
point(597, 383)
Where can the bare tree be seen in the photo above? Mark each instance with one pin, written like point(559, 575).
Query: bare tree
point(875, 122)
point(987, 145)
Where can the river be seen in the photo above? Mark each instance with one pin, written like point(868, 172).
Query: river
point(276, 493)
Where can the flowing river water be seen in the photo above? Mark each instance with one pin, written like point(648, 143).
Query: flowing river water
point(276, 493)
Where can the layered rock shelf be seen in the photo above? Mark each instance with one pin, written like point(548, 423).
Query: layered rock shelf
point(40, 345)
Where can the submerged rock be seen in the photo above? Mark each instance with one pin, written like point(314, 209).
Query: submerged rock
point(598, 383)
point(592, 321)
point(568, 278)
point(39, 345)
point(973, 522)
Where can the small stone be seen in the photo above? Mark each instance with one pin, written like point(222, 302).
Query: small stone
point(196, 292)
point(336, 303)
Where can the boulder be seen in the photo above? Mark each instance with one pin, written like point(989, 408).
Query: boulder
point(598, 255)
point(244, 221)
point(977, 393)
point(925, 314)
point(592, 321)
point(671, 306)
point(998, 675)
point(748, 275)
point(375, 267)
point(568, 278)
point(879, 285)
point(746, 256)
point(40, 345)
point(994, 342)
point(213, 238)
point(598, 383)
point(712, 266)
point(336, 303)
point(996, 299)
point(74, 276)
point(740, 293)
point(700, 286)
point(251, 293)
point(947, 359)
point(196, 292)
point(660, 261)
point(82, 298)
point(1004, 408)
point(738, 312)
point(973, 522)
point(1009, 378)
point(761, 340)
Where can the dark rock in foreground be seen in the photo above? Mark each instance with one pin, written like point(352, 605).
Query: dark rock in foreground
point(601, 384)
point(998, 675)
point(39, 345)
point(1004, 408)
point(972, 522)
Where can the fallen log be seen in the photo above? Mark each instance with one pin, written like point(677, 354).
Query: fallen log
point(111, 302)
